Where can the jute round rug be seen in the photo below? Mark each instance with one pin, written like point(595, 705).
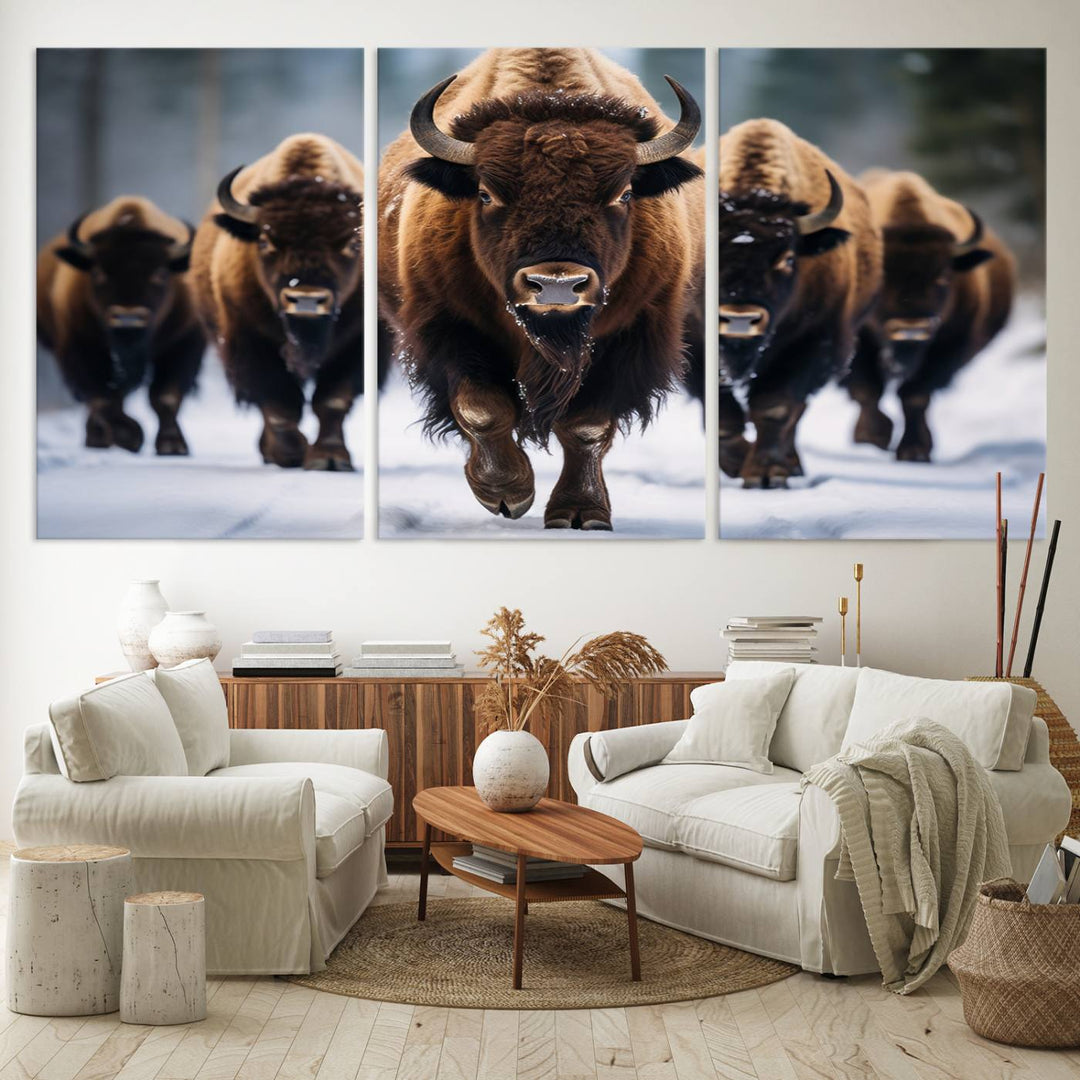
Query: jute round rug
point(576, 957)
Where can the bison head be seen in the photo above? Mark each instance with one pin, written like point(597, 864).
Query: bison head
point(763, 239)
point(130, 270)
point(921, 262)
point(307, 235)
point(551, 180)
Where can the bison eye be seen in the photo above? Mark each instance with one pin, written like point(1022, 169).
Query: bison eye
point(484, 197)
point(160, 276)
point(265, 244)
point(626, 196)
point(352, 248)
point(786, 263)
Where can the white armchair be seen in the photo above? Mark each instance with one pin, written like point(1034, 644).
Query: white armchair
point(286, 842)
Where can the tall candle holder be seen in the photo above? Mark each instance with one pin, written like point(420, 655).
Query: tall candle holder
point(858, 613)
point(842, 608)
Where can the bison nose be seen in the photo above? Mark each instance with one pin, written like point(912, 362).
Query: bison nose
point(914, 329)
point(556, 286)
point(309, 301)
point(743, 320)
point(121, 317)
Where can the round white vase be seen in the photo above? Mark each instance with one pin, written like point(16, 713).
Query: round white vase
point(184, 635)
point(510, 771)
point(143, 607)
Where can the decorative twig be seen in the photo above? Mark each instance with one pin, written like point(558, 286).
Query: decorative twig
point(1024, 571)
point(1037, 625)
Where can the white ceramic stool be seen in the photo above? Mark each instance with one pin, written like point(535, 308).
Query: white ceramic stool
point(164, 980)
point(65, 928)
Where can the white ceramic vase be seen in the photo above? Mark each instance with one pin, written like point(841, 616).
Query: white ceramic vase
point(142, 609)
point(184, 635)
point(510, 771)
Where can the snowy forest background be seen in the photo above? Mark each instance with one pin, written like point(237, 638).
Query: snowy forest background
point(168, 124)
point(973, 122)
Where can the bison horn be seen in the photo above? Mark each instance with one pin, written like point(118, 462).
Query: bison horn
point(680, 137)
point(961, 247)
point(821, 219)
point(183, 248)
point(231, 205)
point(73, 236)
point(428, 136)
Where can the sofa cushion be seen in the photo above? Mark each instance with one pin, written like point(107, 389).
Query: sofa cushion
point(366, 792)
point(751, 828)
point(120, 728)
point(193, 693)
point(340, 828)
point(654, 800)
point(733, 722)
point(992, 719)
point(811, 725)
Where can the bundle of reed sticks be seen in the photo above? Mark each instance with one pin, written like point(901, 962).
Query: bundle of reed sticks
point(1001, 667)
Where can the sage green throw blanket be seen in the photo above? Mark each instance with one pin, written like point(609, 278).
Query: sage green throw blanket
point(920, 830)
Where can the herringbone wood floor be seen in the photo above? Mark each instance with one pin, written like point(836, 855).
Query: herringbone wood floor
point(260, 1029)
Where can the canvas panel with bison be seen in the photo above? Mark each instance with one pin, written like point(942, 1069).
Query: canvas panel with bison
point(540, 286)
point(882, 345)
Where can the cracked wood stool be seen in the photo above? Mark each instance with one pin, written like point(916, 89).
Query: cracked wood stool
point(64, 931)
point(164, 980)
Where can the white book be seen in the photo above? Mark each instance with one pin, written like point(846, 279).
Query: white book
point(266, 637)
point(1047, 885)
point(405, 648)
point(775, 620)
point(404, 660)
point(405, 673)
point(1070, 844)
point(288, 648)
point(277, 663)
point(777, 633)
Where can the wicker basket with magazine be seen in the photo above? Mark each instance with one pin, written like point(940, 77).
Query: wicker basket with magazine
point(1019, 969)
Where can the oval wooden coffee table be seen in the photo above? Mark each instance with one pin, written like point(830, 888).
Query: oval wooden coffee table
point(553, 830)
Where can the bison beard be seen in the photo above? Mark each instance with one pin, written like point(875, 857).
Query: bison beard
point(307, 342)
point(551, 376)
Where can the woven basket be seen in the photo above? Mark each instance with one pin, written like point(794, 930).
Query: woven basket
point(1019, 969)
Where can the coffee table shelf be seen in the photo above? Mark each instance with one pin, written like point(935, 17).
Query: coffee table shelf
point(591, 886)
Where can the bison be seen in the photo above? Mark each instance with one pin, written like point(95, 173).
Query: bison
point(948, 290)
point(800, 266)
point(278, 278)
point(536, 263)
point(112, 306)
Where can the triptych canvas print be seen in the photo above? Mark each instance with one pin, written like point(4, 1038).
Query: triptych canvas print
point(548, 355)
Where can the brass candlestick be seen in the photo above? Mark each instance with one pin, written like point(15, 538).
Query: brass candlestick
point(841, 606)
point(858, 614)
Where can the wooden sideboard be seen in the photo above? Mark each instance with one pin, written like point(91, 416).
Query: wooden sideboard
point(431, 725)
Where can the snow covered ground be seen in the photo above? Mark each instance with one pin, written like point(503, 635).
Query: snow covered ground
point(222, 491)
point(993, 417)
point(656, 480)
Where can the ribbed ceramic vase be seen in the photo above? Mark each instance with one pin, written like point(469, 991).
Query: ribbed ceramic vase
point(184, 635)
point(143, 607)
point(510, 771)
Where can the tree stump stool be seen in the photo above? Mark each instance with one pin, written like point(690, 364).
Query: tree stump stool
point(65, 928)
point(164, 980)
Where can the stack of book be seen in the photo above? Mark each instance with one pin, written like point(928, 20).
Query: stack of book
point(292, 653)
point(501, 866)
point(788, 639)
point(405, 660)
point(1057, 877)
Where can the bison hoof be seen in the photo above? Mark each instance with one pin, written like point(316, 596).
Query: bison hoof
point(733, 451)
point(587, 519)
point(794, 465)
point(99, 433)
point(912, 452)
point(328, 459)
point(127, 433)
point(503, 484)
point(508, 508)
point(874, 428)
point(770, 476)
point(171, 444)
point(285, 447)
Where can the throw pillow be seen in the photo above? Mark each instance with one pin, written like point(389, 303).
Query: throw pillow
point(121, 728)
point(733, 722)
point(193, 693)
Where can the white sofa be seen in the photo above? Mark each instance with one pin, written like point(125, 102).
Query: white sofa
point(284, 835)
point(744, 858)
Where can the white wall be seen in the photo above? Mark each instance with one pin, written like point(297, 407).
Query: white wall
point(928, 606)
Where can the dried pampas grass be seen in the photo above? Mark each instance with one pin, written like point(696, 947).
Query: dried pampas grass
point(524, 679)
